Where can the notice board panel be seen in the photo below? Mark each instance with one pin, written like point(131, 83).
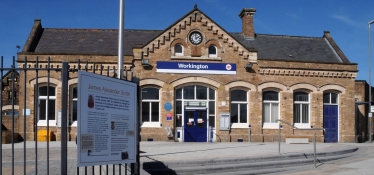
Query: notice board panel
point(107, 130)
point(224, 121)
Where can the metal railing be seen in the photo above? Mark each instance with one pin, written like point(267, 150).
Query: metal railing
point(294, 127)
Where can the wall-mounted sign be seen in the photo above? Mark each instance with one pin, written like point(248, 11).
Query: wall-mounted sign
point(372, 108)
point(224, 121)
point(169, 116)
point(196, 67)
point(168, 106)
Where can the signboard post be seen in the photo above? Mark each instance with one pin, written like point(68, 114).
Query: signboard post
point(106, 120)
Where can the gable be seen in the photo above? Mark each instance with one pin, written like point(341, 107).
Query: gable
point(212, 34)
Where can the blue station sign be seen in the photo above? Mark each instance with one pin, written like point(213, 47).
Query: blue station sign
point(196, 67)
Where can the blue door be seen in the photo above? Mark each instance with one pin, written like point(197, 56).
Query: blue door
point(195, 125)
point(330, 123)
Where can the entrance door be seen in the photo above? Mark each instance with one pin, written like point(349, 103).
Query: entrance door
point(195, 125)
point(330, 123)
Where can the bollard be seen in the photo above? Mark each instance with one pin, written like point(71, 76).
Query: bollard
point(249, 133)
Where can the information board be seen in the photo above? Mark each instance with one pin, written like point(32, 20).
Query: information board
point(106, 120)
point(224, 121)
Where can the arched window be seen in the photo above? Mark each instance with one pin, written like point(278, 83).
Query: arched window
point(270, 108)
point(151, 106)
point(212, 50)
point(238, 106)
point(195, 96)
point(47, 105)
point(301, 108)
point(178, 50)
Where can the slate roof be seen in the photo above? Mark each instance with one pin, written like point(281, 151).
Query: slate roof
point(290, 48)
point(105, 42)
point(90, 41)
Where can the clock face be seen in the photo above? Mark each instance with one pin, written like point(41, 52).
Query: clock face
point(196, 38)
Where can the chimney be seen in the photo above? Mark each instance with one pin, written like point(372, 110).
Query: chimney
point(247, 22)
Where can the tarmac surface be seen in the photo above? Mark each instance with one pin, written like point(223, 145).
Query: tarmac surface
point(361, 163)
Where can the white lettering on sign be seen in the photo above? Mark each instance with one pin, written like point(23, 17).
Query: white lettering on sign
point(193, 66)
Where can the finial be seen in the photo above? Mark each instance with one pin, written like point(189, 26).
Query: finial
point(195, 7)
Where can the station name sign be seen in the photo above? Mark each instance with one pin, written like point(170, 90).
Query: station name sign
point(196, 67)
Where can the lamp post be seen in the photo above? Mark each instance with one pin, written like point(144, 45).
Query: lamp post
point(370, 118)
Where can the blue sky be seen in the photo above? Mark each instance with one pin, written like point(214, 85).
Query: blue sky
point(346, 20)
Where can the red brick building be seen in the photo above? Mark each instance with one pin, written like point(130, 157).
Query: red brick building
point(195, 75)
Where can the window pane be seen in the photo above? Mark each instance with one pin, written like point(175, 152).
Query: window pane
point(305, 113)
point(43, 91)
point(178, 107)
point(145, 111)
point(266, 112)
point(301, 96)
point(326, 98)
point(296, 113)
point(212, 121)
point(201, 92)
point(274, 112)
point(212, 50)
point(51, 109)
point(42, 109)
point(189, 92)
point(243, 113)
point(178, 49)
point(150, 93)
point(271, 95)
point(178, 93)
point(189, 119)
point(234, 113)
point(212, 107)
point(212, 94)
point(75, 92)
point(179, 120)
point(238, 95)
point(334, 98)
point(155, 111)
point(75, 111)
point(201, 117)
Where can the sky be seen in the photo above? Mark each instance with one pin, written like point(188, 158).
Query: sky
point(346, 20)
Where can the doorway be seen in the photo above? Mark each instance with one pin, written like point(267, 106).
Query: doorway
point(195, 125)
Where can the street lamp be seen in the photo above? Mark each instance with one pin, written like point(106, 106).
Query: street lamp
point(370, 118)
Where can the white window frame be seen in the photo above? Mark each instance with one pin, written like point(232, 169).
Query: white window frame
point(300, 103)
point(178, 54)
point(149, 123)
point(212, 55)
point(44, 122)
point(72, 99)
point(271, 102)
point(240, 125)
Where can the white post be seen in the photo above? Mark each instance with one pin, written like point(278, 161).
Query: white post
point(120, 40)
point(370, 118)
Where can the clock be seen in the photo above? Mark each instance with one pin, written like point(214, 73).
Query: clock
point(196, 38)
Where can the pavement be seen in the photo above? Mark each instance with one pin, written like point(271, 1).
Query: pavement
point(361, 163)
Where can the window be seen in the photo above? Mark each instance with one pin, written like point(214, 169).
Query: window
point(212, 50)
point(238, 108)
point(330, 98)
point(74, 105)
point(301, 108)
point(195, 96)
point(47, 105)
point(178, 50)
point(270, 109)
point(150, 107)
